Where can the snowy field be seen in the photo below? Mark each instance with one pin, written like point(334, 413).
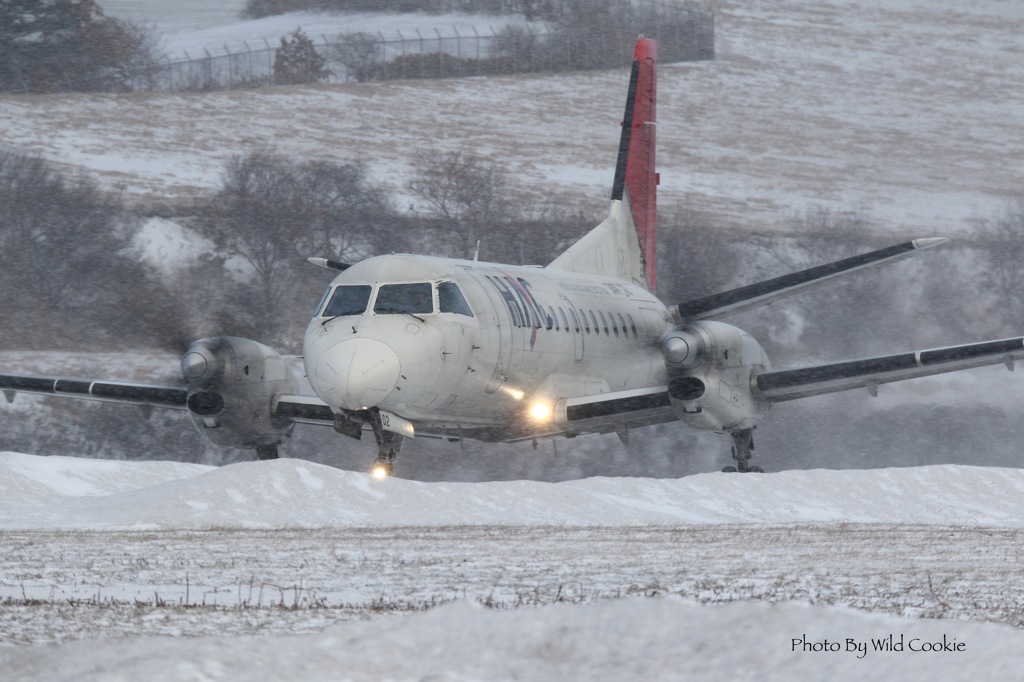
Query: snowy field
point(169, 571)
point(906, 112)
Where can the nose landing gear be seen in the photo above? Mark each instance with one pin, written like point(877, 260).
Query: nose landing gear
point(389, 444)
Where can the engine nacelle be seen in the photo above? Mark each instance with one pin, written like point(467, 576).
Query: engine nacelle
point(231, 387)
point(711, 366)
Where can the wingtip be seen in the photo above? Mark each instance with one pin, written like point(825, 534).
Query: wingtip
point(928, 242)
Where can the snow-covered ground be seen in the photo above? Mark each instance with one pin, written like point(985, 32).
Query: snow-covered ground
point(170, 571)
point(907, 112)
point(76, 493)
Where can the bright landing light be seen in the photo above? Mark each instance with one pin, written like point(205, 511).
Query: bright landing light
point(540, 411)
point(380, 473)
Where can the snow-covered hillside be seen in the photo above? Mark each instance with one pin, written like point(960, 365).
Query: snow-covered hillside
point(907, 112)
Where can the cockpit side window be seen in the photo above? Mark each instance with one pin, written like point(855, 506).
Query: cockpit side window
point(452, 300)
point(320, 305)
point(415, 299)
point(348, 299)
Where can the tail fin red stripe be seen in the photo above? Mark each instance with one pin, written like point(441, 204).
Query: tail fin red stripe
point(634, 169)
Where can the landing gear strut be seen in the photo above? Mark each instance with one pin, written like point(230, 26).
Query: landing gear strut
point(742, 445)
point(389, 444)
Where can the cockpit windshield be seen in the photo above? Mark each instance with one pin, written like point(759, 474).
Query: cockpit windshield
point(452, 300)
point(414, 299)
point(348, 300)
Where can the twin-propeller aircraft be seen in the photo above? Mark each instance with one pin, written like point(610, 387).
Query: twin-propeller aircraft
point(406, 345)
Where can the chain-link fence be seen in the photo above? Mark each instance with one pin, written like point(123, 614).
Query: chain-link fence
point(685, 33)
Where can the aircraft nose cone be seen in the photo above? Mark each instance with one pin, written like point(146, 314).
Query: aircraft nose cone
point(356, 374)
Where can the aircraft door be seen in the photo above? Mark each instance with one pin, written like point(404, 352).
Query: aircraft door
point(575, 330)
point(495, 329)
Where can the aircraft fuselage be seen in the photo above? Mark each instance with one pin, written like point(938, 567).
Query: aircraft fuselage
point(520, 339)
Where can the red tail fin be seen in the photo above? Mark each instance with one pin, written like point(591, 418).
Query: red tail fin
point(634, 170)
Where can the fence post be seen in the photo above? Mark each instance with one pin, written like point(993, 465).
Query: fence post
point(421, 51)
point(384, 52)
point(327, 57)
point(231, 67)
point(477, 49)
point(458, 51)
point(440, 52)
point(402, 39)
point(208, 85)
point(270, 62)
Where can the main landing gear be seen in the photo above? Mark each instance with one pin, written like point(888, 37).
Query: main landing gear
point(742, 445)
point(389, 444)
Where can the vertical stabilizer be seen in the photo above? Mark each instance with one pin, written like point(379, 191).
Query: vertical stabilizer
point(625, 244)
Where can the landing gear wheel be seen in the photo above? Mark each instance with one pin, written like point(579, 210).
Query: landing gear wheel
point(389, 444)
point(742, 445)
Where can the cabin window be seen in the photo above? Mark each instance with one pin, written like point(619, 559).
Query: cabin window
point(615, 325)
point(604, 322)
point(593, 319)
point(451, 299)
point(632, 326)
point(575, 320)
point(565, 320)
point(415, 299)
point(348, 299)
point(552, 320)
point(549, 321)
point(622, 323)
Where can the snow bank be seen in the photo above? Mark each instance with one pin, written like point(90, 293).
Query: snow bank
point(60, 492)
point(658, 639)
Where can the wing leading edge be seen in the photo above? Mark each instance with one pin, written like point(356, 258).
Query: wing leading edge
point(804, 382)
point(771, 290)
point(175, 397)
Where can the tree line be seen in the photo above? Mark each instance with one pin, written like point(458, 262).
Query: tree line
point(74, 273)
point(74, 279)
point(60, 45)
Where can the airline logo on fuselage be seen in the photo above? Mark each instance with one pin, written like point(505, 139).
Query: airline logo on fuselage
point(522, 304)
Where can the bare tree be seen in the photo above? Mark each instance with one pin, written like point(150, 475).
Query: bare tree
point(360, 53)
point(1002, 243)
point(469, 193)
point(273, 213)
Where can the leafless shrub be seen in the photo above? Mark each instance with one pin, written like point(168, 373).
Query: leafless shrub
point(361, 55)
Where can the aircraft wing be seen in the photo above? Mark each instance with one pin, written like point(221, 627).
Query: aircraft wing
point(298, 408)
point(762, 293)
point(803, 382)
point(175, 397)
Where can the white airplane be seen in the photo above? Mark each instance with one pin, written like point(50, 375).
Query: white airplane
point(405, 345)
